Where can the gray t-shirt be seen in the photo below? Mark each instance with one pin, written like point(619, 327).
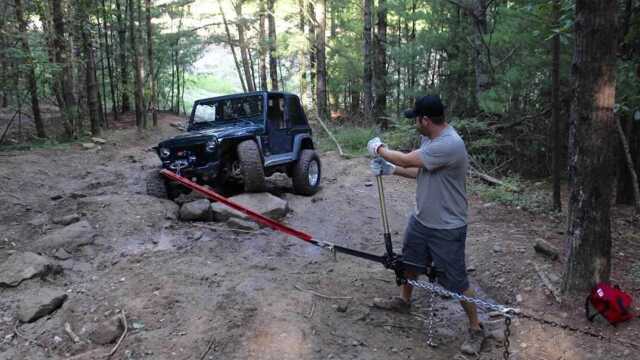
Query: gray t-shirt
point(441, 199)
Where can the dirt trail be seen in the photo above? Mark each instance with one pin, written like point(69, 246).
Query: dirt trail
point(182, 285)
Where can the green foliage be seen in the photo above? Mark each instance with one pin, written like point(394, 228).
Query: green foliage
point(527, 195)
point(352, 139)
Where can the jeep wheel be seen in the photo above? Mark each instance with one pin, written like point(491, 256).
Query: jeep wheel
point(306, 173)
point(251, 166)
point(157, 186)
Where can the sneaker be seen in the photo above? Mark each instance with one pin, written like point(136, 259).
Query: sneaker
point(472, 344)
point(396, 304)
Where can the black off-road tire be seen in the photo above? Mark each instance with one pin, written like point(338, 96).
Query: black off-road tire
point(251, 166)
point(302, 183)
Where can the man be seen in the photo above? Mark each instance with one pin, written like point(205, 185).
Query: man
point(437, 230)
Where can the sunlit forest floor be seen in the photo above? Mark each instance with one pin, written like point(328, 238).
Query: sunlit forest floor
point(184, 287)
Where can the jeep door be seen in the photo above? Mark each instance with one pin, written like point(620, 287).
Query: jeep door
point(278, 128)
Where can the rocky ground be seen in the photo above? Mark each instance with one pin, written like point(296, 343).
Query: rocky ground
point(87, 256)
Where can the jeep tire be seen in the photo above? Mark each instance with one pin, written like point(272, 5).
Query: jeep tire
point(306, 173)
point(251, 166)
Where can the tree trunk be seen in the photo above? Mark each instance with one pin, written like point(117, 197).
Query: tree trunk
point(91, 82)
point(367, 55)
point(301, 53)
point(114, 104)
point(262, 47)
point(591, 149)
point(64, 77)
point(380, 67)
point(134, 8)
point(555, 108)
point(31, 72)
point(246, 67)
point(273, 58)
point(153, 102)
point(233, 49)
point(122, 45)
point(321, 87)
point(481, 54)
point(311, 39)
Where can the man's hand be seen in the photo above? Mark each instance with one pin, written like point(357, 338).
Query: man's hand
point(373, 145)
point(380, 166)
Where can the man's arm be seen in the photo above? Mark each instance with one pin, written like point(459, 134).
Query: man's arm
point(410, 160)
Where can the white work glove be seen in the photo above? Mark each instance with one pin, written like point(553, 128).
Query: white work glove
point(373, 145)
point(380, 166)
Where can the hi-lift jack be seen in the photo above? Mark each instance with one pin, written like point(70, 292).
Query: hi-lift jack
point(389, 260)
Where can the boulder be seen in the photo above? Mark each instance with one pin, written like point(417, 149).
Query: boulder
point(39, 303)
point(264, 203)
point(22, 266)
point(198, 210)
point(66, 220)
point(88, 146)
point(107, 332)
point(241, 224)
point(69, 238)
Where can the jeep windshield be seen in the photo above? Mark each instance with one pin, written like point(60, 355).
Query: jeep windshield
point(224, 111)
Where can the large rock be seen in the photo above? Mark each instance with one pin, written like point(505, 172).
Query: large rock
point(69, 238)
point(107, 331)
point(241, 224)
point(263, 203)
point(22, 266)
point(198, 210)
point(66, 220)
point(39, 303)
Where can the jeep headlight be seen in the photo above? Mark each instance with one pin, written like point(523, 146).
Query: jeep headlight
point(164, 153)
point(211, 145)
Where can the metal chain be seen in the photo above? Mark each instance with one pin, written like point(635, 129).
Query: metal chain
point(507, 333)
point(432, 287)
point(508, 313)
point(430, 318)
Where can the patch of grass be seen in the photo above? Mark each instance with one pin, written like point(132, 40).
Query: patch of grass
point(531, 196)
point(352, 139)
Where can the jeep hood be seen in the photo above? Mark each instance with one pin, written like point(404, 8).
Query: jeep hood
point(221, 132)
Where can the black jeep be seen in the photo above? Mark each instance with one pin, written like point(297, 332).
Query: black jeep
point(242, 139)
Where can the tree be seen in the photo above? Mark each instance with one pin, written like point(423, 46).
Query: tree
point(555, 107)
point(262, 47)
point(122, 46)
point(153, 101)
point(321, 67)
point(591, 145)
point(380, 66)
point(31, 72)
point(273, 58)
point(367, 54)
point(244, 51)
point(91, 83)
point(108, 55)
point(64, 76)
point(138, 66)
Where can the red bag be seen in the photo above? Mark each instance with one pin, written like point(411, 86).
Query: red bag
point(610, 302)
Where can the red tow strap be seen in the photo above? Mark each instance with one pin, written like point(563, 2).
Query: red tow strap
point(212, 195)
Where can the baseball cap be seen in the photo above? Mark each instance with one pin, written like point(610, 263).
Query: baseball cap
point(429, 105)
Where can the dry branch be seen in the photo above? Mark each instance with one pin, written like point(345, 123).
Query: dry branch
point(123, 318)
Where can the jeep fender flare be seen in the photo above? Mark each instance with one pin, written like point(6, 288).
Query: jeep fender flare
point(301, 142)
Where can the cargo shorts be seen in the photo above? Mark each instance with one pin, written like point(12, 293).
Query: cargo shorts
point(443, 248)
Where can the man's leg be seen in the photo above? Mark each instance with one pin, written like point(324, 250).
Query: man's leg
point(471, 310)
point(406, 289)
